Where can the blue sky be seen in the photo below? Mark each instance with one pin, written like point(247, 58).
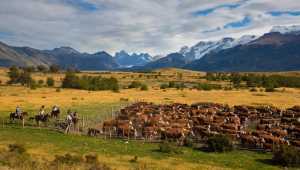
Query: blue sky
point(82, 5)
point(153, 26)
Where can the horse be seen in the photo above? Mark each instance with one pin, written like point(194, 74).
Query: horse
point(41, 118)
point(93, 132)
point(71, 123)
point(55, 114)
point(14, 116)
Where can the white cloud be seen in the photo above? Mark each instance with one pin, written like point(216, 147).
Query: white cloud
point(134, 25)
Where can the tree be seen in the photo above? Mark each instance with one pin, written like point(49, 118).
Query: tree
point(236, 79)
point(41, 82)
point(20, 76)
point(219, 143)
point(13, 74)
point(144, 87)
point(70, 80)
point(54, 68)
point(135, 84)
point(41, 68)
point(25, 78)
point(50, 82)
point(287, 156)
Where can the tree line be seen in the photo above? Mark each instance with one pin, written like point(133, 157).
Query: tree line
point(93, 83)
point(23, 76)
point(255, 80)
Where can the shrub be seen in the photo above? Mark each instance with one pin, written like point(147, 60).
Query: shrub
point(269, 89)
point(134, 159)
point(50, 82)
point(188, 142)
point(135, 84)
point(41, 82)
point(219, 143)
point(13, 74)
point(33, 85)
point(164, 86)
point(287, 156)
point(54, 68)
point(67, 159)
point(42, 68)
point(180, 86)
point(16, 148)
point(167, 147)
point(144, 87)
point(208, 87)
point(253, 90)
point(91, 158)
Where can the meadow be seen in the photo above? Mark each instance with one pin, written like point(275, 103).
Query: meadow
point(45, 144)
point(99, 105)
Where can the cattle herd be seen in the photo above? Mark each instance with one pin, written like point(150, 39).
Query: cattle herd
point(256, 127)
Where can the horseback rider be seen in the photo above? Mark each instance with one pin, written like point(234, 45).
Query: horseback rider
point(69, 117)
point(18, 111)
point(42, 111)
point(74, 115)
point(55, 108)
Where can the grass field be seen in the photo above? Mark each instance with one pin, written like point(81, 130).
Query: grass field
point(117, 154)
point(95, 103)
point(99, 105)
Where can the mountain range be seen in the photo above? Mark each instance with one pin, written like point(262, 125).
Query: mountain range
point(277, 50)
point(126, 60)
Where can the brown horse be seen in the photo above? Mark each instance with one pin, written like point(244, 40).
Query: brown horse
point(41, 118)
point(14, 116)
point(55, 114)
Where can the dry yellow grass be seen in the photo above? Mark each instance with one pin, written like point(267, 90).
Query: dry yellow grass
point(10, 96)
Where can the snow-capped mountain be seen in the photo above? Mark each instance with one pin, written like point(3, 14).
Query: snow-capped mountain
point(206, 47)
point(294, 29)
point(126, 60)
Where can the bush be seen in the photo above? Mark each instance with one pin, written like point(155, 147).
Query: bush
point(287, 156)
point(41, 82)
point(144, 87)
point(50, 82)
point(219, 143)
point(208, 87)
point(54, 68)
point(67, 159)
point(13, 74)
point(188, 142)
point(135, 84)
point(16, 148)
point(167, 147)
point(91, 158)
point(253, 90)
point(42, 68)
point(134, 159)
point(269, 89)
point(164, 86)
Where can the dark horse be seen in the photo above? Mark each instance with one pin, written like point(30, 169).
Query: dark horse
point(41, 118)
point(55, 113)
point(14, 116)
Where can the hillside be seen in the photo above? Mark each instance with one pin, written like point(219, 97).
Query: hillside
point(64, 56)
point(271, 52)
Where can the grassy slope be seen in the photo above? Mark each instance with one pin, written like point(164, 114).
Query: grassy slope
point(117, 153)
